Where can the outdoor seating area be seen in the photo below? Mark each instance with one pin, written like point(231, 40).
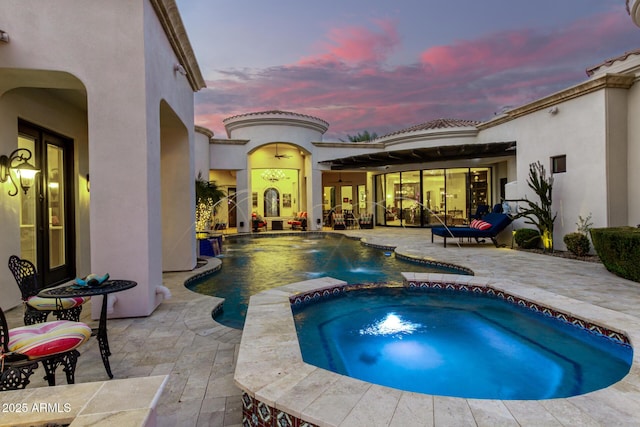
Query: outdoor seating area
point(258, 223)
point(37, 309)
point(50, 344)
point(299, 221)
point(366, 221)
point(487, 228)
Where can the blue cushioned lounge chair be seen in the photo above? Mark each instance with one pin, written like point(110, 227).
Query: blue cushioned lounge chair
point(498, 223)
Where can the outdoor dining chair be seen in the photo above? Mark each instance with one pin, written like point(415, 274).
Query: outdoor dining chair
point(50, 343)
point(36, 309)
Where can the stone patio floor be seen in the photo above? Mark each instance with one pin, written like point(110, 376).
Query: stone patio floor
point(181, 340)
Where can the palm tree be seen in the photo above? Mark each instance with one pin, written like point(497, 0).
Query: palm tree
point(208, 194)
point(362, 137)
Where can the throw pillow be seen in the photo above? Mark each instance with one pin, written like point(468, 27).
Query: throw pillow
point(480, 225)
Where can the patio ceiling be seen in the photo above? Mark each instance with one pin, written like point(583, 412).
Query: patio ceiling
point(424, 155)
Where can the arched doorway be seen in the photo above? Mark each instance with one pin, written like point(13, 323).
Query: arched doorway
point(271, 202)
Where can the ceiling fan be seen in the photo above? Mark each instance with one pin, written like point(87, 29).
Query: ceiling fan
point(281, 156)
point(340, 181)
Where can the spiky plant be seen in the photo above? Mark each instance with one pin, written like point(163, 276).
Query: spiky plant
point(540, 213)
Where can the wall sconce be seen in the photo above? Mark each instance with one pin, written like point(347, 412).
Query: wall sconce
point(178, 68)
point(18, 163)
point(4, 36)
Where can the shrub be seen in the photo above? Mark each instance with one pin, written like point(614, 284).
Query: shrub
point(527, 238)
point(577, 243)
point(619, 250)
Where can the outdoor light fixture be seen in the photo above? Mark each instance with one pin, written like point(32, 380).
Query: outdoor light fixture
point(178, 68)
point(18, 163)
point(4, 36)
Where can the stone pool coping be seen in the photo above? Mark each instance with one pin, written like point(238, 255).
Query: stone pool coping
point(277, 384)
point(123, 402)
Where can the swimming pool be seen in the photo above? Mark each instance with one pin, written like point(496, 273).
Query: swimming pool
point(251, 265)
point(454, 343)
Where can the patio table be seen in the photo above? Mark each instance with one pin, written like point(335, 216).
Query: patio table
point(107, 287)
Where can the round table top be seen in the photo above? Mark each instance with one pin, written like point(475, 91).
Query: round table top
point(75, 290)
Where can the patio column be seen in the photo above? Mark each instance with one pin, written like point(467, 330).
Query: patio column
point(125, 208)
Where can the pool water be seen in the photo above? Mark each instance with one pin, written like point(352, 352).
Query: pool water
point(252, 265)
point(458, 344)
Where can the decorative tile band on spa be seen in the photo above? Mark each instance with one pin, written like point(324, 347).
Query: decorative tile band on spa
point(258, 414)
point(559, 315)
point(299, 300)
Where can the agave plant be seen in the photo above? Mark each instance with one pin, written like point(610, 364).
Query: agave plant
point(540, 214)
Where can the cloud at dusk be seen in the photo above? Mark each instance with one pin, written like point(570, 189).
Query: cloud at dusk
point(349, 81)
point(357, 45)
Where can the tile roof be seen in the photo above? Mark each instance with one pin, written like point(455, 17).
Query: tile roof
point(275, 112)
point(609, 62)
point(436, 124)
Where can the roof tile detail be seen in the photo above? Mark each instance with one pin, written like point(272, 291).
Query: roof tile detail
point(275, 112)
point(436, 124)
point(609, 62)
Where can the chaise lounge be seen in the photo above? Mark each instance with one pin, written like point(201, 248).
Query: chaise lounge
point(488, 227)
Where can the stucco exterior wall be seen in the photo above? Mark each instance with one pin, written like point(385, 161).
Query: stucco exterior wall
point(201, 155)
point(633, 158)
point(122, 60)
point(616, 108)
point(577, 130)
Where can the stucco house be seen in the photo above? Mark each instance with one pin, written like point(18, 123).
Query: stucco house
point(101, 94)
point(276, 163)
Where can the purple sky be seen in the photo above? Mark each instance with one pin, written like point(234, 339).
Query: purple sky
point(377, 66)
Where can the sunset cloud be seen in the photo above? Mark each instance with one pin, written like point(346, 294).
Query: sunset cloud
point(350, 83)
point(357, 45)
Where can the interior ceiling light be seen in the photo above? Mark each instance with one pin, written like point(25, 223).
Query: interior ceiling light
point(273, 175)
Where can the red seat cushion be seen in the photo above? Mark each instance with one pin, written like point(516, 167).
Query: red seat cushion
point(48, 338)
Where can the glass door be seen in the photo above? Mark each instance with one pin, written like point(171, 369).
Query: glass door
point(55, 202)
point(47, 229)
point(271, 202)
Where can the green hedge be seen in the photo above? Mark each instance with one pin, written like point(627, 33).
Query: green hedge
point(619, 250)
point(527, 238)
point(577, 243)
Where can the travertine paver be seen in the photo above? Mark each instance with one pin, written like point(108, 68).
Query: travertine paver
point(181, 340)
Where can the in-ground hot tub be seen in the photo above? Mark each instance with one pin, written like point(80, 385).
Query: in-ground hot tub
point(277, 383)
point(465, 341)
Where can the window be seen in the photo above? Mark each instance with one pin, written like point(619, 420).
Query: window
point(559, 164)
